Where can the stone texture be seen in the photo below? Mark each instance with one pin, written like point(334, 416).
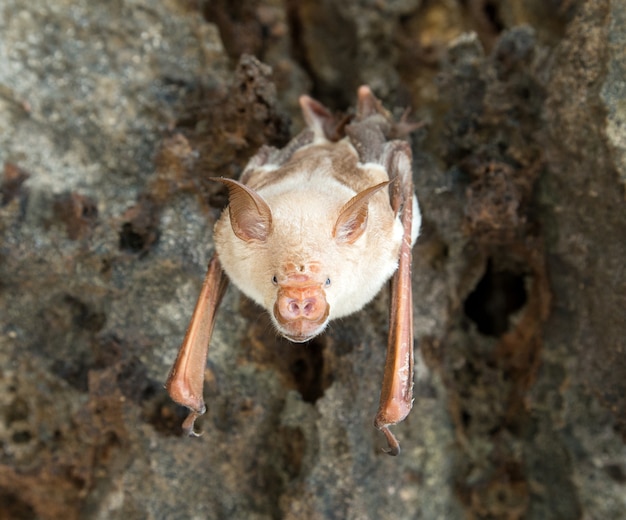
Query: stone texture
point(113, 116)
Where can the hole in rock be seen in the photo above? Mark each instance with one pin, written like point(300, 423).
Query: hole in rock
point(497, 295)
point(131, 240)
point(14, 507)
point(491, 12)
point(22, 437)
point(307, 370)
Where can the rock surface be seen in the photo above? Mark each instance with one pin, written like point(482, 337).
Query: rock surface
point(113, 116)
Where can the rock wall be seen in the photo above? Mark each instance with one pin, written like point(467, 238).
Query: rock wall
point(113, 116)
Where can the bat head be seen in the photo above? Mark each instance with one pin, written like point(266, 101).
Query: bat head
point(295, 259)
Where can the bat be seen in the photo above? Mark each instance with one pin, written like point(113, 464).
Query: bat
point(312, 232)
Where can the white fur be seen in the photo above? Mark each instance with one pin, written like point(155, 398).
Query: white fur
point(305, 205)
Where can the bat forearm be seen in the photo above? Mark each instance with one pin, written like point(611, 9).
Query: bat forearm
point(186, 379)
point(396, 397)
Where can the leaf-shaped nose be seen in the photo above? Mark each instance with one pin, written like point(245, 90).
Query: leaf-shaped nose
point(300, 303)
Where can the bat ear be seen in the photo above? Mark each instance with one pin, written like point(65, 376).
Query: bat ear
point(352, 219)
point(250, 216)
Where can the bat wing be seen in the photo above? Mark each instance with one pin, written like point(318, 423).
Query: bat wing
point(186, 379)
point(396, 398)
point(369, 134)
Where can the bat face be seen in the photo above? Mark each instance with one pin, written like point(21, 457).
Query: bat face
point(306, 245)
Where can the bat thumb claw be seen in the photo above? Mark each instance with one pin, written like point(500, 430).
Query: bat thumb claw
point(188, 424)
point(394, 445)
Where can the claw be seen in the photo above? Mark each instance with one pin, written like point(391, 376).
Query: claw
point(394, 445)
point(189, 422)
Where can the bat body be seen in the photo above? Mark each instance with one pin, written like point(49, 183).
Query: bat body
point(311, 233)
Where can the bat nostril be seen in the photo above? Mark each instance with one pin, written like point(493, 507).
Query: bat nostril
point(296, 308)
point(293, 308)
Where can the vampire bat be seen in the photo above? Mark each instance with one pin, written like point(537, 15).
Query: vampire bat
point(311, 233)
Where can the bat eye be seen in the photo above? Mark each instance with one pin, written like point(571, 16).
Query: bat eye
point(327, 282)
point(275, 280)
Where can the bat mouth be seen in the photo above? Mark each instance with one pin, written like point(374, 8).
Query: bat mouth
point(297, 339)
point(299, 335)
point(301, 330)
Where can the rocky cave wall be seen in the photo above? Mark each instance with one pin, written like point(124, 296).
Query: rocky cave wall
point(112, 117)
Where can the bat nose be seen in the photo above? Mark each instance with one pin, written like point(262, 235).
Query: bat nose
point(292, 308)
point(301, 312)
